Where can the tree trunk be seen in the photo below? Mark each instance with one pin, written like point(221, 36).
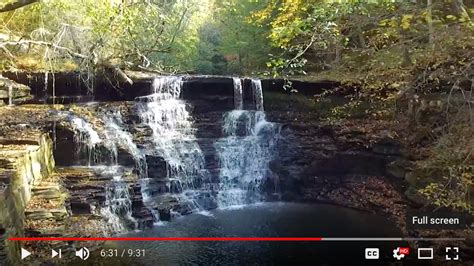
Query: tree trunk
point(460, 9)
point(362, 42)
point(406, 59)
point(337, 58)
point(16, 5)
point(429, 7)
point(338, 49)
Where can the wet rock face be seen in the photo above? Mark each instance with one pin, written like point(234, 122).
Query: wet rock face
point(68, 152)
point(12, 92)
point(87, 194)
point(65, 149)
point(67, 86)
point(344, 163)
point(317, 154)
point(157, 167)
point(23, 164)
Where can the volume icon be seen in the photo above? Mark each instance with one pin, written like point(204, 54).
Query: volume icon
point(83, 253)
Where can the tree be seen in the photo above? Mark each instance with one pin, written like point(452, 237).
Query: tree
point(17, 4)
point(99, 37)
point(243, 43)
point(429, 18)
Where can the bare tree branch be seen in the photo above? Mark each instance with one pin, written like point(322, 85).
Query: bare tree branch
point(7, 52)
point(52, 45)
point(121, 75)
point(15, 5)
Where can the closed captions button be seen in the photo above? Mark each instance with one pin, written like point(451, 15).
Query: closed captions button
point(372, 253)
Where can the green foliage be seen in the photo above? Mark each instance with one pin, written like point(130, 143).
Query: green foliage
point(451, 164)
point(213, 37)
point(276, 37)
point(315, 35)
point(208, 58)
point(131, 34)
point(230, 42)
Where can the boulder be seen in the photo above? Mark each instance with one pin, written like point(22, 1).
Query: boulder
point(12, 91)
point(387, 146)
point(419, 178)
point(165, 214)
point(183, 208)
point(415, 197)
point(398, 168)
point(207, 201)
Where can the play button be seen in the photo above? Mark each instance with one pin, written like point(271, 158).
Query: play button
point(24, 253)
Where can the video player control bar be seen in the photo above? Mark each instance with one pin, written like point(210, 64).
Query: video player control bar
point(234, 239)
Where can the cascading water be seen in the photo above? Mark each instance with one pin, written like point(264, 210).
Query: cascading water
point(257, 94)
point(118, 205)
point(114, 129)
point(86, 138)
point(245, 152)
point(173, 136)
point(170, 162)
point(238, 98)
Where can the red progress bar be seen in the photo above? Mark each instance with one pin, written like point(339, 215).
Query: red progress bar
point(165, 239)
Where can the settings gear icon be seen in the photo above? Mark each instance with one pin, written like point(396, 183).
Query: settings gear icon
point(397, 254)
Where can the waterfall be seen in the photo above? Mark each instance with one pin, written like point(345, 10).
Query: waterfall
point(86, 138)
point(169, 161)
point(172, 135)
point(118, 204)
point(114, 130)
point(257, 94)
point(245, 153)
point(238, 100)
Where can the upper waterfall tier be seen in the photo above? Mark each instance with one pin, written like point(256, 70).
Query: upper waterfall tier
point(71, 88)
point(246, 149)
point(238, 94)
point(257, 93)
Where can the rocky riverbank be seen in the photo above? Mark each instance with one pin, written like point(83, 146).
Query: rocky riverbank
point(25, 161)
point(38, 199)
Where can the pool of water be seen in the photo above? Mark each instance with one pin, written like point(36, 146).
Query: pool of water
point(266, 220)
